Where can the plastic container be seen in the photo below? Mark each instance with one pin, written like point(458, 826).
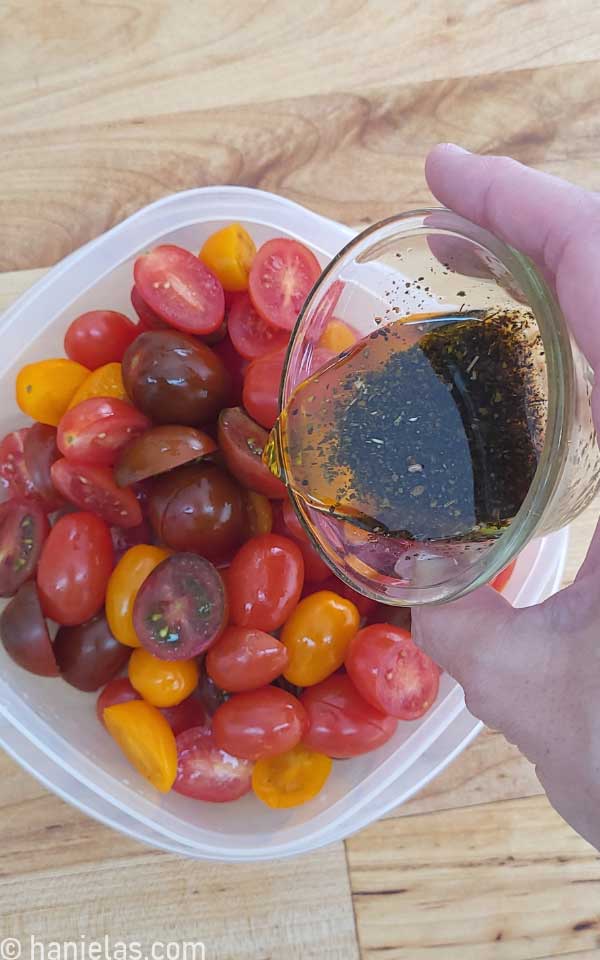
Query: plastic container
point(52, 730)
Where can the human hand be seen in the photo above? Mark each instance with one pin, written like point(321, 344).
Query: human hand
point(533, 673)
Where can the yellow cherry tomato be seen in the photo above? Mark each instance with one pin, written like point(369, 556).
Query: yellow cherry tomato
point(163, 683)
point(317, 635)
point(45, 389)
point(125, 581)
point(146, 739)
point(258, 514)
point(337, 336)
point(229, 254)
point(106, 381)
point(291, 778)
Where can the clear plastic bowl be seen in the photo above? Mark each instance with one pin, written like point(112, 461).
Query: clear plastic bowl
point(52, 730)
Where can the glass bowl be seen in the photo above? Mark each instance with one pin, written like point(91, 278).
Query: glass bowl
point(433, 261)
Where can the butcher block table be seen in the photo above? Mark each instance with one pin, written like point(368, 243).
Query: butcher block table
point(107, 106)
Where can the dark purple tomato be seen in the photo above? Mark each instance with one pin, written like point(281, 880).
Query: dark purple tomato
point(180, 609)
point(174, 378)
point(160, 450)
point(24, 633)
point(40, 451)
point(88, 656)
point(23, 530)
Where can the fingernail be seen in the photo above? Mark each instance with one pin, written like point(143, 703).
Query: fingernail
point(454, 148)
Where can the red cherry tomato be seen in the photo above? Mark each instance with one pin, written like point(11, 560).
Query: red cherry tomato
point(244, 659)
point(116, 691)
point(342, 723)
point(149, 320)
point(41, 451)
point(99, 337)
point(235, 365)
point(315, 569)
point(261, 388)
point(391, 673)
point(249, 333)
point(264, 582)
point(97, 430)
point(15, 479)
point(260, 723)
point(205, 772)
point(93, 488)
point(180, 289)
point(23, 530)
point(282, 275)
point(74, 568)
point(187, 714)
point(499, 582)
point(242, 443)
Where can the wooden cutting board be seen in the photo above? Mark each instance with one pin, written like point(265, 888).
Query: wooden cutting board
point(104, 107)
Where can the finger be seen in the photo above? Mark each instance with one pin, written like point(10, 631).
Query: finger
point(551, 221)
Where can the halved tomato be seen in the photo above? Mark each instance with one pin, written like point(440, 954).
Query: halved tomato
point(96, 430)
point(180, 289)
point(93, 488)
point(250, 335)
point(282, 275)
point(242, 442)
point(261, 388)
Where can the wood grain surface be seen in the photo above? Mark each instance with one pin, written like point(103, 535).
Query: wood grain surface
point(105, 106)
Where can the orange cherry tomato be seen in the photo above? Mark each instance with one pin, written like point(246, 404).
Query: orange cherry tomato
point(45, 389)
point(126, 579)
point(106, 381)
point(501, 579)
point(162, 683)
point(146, 739)
point(290, 779)
point(317, 635)
point(337, 336)
point(258, 514)
point(229, 254)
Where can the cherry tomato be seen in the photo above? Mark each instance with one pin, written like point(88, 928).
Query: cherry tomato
point(106, 381)
point(242, 443)
point(265, 582)
point(160, 682)
point(261, 388)
point(173, 378)
point(160, 450)
point(88, 655)
point(40, 451)
point(229, 254)
point(315, 569)
point(180, 289)
point(337, 337)
point(245, 659)
point(342, 723)
point(236, 367)
point(258, 514)
point(146, 739)
point(250, 335)
point(210, 695)
point(259, 723)
point(97, 430)
point(290, 779)
point(93, 488)
point(187, 714)
point(123, 540)
point(99, 337)
point(180, 609)
point(283, 274)
point(198, 509)
point(391, 673)
point(125, 581)
point(149, 320)
point(24, 633)
point(74, 567)
point(45, 389)
point(15, 478)
point(207, 773)
point(365, 606)
point(23, 530)
point(499, 582)
point(317, 635)
point(116, 691)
